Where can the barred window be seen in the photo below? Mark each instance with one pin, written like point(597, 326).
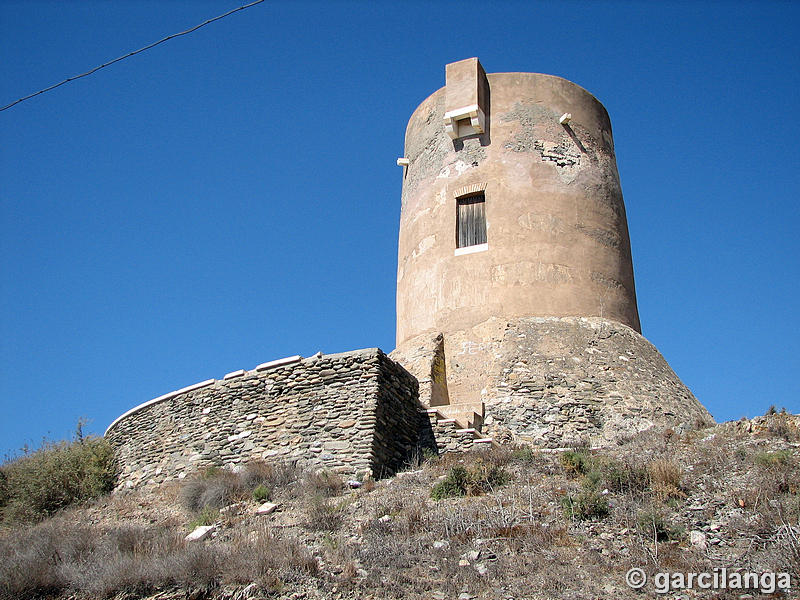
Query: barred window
point(470, 220)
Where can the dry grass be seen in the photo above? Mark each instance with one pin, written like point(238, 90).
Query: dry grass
point(321, 483)
point(324, 514)
point(216, 488)
point(665, 478)
point(391, 540)
point(63, 557)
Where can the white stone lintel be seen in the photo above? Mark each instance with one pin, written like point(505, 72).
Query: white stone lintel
point(233, 374)
point(279, 362)
point(455, 125)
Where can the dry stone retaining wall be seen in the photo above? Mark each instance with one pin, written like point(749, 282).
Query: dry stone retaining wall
point(353, 413)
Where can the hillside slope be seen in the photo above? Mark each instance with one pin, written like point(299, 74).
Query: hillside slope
point(531, 525)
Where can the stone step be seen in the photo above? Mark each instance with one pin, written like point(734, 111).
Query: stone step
point(467, 415)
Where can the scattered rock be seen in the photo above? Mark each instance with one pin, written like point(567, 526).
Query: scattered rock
point(698, 539)
point(266, 508)
point(232, 508)
point(441, 545)
point(201, 533)
point(353, 484)
point(246, 592)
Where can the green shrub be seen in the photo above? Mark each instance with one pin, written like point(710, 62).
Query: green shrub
point(207, 516)
point(773, 460)
point(455, 484)
point(54, 476)
point(778, 472)
point(653, 523)
point(586, 504)
point(624, 477)
point(262, 493)
point(523, 454)
point(575, 462)
point(483, 477)
point(479, 479)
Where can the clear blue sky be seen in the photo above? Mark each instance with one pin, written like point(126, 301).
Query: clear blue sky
point(231, 196)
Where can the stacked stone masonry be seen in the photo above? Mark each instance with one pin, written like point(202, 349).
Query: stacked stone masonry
point(354, 413)
point(555, 382)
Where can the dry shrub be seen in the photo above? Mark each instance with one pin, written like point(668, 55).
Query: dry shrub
point(415, 519)
point(270, 475)
point(503, 455)
point(215, 488)
point(58, 557)
point(782, 425)
point(262, 557)
point(381, 548)
point(778, 472)
point(665, 478)
point(212, 488)
point(323, 514)
point(459, 522)
point(28, 558)
point(322, 483)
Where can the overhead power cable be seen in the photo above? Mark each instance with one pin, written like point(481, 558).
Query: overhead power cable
point(111, 62)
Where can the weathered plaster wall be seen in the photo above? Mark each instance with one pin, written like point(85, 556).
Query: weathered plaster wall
point(558, 241)
point(558, 381)
point(353, 413)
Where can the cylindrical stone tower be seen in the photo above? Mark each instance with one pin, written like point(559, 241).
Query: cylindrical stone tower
point(512, 227)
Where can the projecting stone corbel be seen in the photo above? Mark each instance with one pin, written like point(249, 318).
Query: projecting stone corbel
point(465, 98)
point(464, 121)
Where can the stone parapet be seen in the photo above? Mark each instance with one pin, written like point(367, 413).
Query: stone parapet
point(354, 413)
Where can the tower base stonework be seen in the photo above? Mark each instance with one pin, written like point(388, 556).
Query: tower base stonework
point(552, 382)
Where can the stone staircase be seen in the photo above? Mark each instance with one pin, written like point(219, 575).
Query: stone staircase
point(457, 427)
point(468, 416)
